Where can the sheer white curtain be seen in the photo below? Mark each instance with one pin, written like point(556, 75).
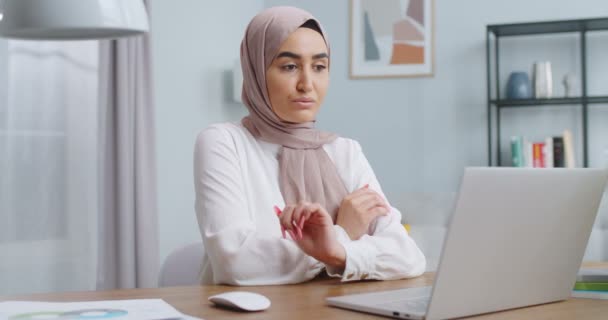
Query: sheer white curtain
point(48, 166)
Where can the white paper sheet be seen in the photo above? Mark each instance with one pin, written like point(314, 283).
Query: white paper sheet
point(140, 309)
point(592, 275)
point(590, 294)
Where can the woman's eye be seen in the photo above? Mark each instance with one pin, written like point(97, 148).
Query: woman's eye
point(289, 67)
point(320, 67)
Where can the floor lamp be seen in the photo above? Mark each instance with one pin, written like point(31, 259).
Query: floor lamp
point(72, 19)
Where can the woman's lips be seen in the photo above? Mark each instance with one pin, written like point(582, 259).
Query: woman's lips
point(304, 103)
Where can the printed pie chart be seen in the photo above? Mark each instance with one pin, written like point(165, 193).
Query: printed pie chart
point(83, 314)
point(94, 314)
point(37, 316)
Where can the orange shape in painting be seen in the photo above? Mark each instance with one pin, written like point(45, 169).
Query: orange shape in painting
point(407, 54)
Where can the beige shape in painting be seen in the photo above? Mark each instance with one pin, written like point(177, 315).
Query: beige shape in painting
point(405, 30)
point(383, 15)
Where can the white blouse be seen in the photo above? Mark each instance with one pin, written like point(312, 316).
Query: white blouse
point(237, 184)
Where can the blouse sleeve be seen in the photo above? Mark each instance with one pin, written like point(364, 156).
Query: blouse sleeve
point(387, 251)
point(239, 253)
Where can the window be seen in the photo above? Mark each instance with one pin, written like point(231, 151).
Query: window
point(48, 169)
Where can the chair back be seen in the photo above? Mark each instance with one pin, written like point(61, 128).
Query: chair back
point(182, 267)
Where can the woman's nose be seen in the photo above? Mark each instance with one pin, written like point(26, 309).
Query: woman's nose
point(305, 82)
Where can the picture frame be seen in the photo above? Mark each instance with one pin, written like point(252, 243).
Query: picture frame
point(392, 38)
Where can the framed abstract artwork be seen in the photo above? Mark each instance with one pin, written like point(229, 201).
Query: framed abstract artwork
point(391, 38)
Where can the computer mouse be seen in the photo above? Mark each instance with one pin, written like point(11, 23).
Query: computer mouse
point(242, 300)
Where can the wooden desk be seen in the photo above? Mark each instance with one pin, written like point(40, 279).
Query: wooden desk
point(307, 300)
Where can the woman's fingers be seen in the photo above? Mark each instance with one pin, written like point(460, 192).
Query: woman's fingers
point(376, 206)
point(306, 214)
point(286, 217)
point(293, 218)
point(370, 200)
point(379, 211)
point(278, 212)
point(292, 234)
point(303, 218)
point(318, 215)
point(297, 217)
point(287, 223)
point(358, 192)
point(297, 229)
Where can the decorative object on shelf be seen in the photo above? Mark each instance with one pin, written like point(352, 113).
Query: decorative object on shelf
point(518, 86)
point(570, 83)
point(391, 38)
point(72, 19)
point(543, 80)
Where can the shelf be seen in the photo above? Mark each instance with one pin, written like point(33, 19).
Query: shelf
point(508, 103)
point(517, 29)
point(577, 27)
point(598, 99)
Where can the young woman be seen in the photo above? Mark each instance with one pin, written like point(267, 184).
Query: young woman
point(278, 201)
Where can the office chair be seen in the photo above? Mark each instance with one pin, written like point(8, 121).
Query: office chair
point(182, 267)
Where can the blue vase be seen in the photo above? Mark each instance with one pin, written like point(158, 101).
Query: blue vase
point(519, 86)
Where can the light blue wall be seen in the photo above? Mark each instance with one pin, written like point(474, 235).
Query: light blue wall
point(418, 133)
point(194, 44)
point(3, 82)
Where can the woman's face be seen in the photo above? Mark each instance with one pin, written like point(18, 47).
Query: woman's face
point(298, 77)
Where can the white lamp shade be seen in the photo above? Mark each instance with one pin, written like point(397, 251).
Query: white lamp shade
point(72, 19)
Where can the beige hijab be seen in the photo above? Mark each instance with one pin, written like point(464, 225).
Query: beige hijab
point(306, 173)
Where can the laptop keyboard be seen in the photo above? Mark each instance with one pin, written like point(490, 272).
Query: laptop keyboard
point(411, 305)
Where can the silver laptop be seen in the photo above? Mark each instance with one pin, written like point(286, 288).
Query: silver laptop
point(516, 238)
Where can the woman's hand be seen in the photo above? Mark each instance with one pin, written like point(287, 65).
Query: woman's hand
point(359, 209)
point(311, 227)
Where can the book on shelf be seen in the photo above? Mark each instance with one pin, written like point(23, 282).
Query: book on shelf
point(528, 153)
point(558, 152)
point(552, 152)
point(517, 151)
point(548, 153)
point(568, 150)
point(538, 158)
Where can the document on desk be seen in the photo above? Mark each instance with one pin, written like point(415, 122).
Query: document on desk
point(139, 309)
point(592, 275)
point(602, 295)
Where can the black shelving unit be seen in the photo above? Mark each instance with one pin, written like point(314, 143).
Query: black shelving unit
point(495, 104)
